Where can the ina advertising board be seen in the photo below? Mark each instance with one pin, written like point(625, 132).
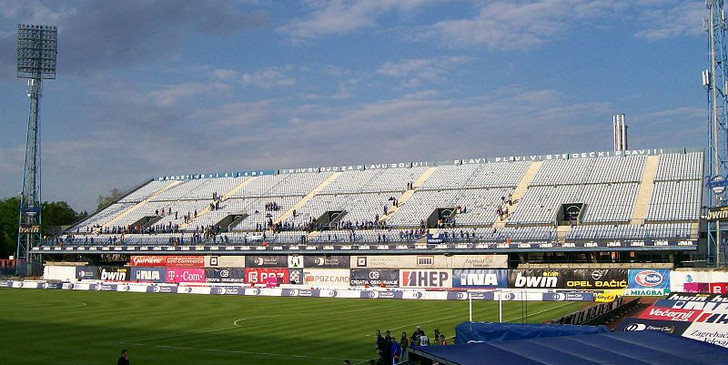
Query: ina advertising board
point(185, 275)
point(567, 278)
point(425, 279)
point(148, 274)
point(430, 262)
point(374, 277)
point(326, 278)
point(256, 276)
point(114, 274)
point(225, 275)
point(329, 262)
point(266, 261)
point(224, 261)
point(647, 282)
point(479, 278)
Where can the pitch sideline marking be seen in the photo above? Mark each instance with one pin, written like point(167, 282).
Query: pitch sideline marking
point(455, 316)
point(232, 351)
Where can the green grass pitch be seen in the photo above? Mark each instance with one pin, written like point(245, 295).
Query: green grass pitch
point(79, 327)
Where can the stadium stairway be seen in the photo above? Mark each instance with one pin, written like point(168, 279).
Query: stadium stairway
point(222, 198)
point(642, 200)
point(520, 191)
point(408, 193)
point(306, 198)
point(140, 204)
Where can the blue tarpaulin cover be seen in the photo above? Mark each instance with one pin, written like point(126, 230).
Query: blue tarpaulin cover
point(638, 348)
point(489, 331)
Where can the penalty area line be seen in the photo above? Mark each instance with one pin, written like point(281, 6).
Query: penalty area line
point(185, 348)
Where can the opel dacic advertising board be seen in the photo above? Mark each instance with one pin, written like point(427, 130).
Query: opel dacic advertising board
point(568, 278)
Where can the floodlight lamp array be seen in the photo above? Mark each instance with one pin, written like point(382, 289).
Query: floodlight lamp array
point(37, 50)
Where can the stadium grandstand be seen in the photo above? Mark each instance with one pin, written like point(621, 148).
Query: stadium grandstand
point(621, 207)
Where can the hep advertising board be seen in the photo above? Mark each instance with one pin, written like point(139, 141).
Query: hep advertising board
point(431, 262)
point(87, 272)
point(256, 276)
point(266, 261)
point(224, 261)
point(185, 275)
point(480, 278)
point(374, 277)
point(329, 262)
point(225, 275)
point(160, 260)
point(148, 274)
point(326, 278)
point(114, 274)
point(425, 279)
point(648, 282)
point(567, 278)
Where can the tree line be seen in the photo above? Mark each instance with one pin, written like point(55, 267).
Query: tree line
point(54, 215)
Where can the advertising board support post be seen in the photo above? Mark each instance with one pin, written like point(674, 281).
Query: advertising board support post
point(500, 306)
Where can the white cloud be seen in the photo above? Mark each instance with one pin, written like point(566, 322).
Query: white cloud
point(506, 25)
point(172, 94)
point(268, 79)
point(679, 20)
point(417, 71)
point(329, 17)
point(223, 74)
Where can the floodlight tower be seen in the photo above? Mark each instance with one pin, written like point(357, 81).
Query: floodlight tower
point(37, 50)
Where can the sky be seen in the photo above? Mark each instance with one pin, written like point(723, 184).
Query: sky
point(163, 87)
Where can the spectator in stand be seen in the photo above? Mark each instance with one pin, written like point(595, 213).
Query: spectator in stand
point(424, 340)
point(387, 345)
point(379, 343)
point(395, 351)
point(404, 343)
point(124, 359)
point(381, 360)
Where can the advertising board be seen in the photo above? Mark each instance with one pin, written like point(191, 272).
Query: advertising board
point(114, 274)
point(148, 274)
point(647, 282)
point(256, 276)
point(326, 278)
point(479, 278)
point(374, 277)
point(225, 275)
point(185, 275)
point(266, 261)
point(430, 262)
point(425, 278)
point(568, 278)
point(224, 261)
point(331, 262)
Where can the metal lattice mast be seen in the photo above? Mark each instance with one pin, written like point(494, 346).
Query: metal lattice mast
point(37, 49)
